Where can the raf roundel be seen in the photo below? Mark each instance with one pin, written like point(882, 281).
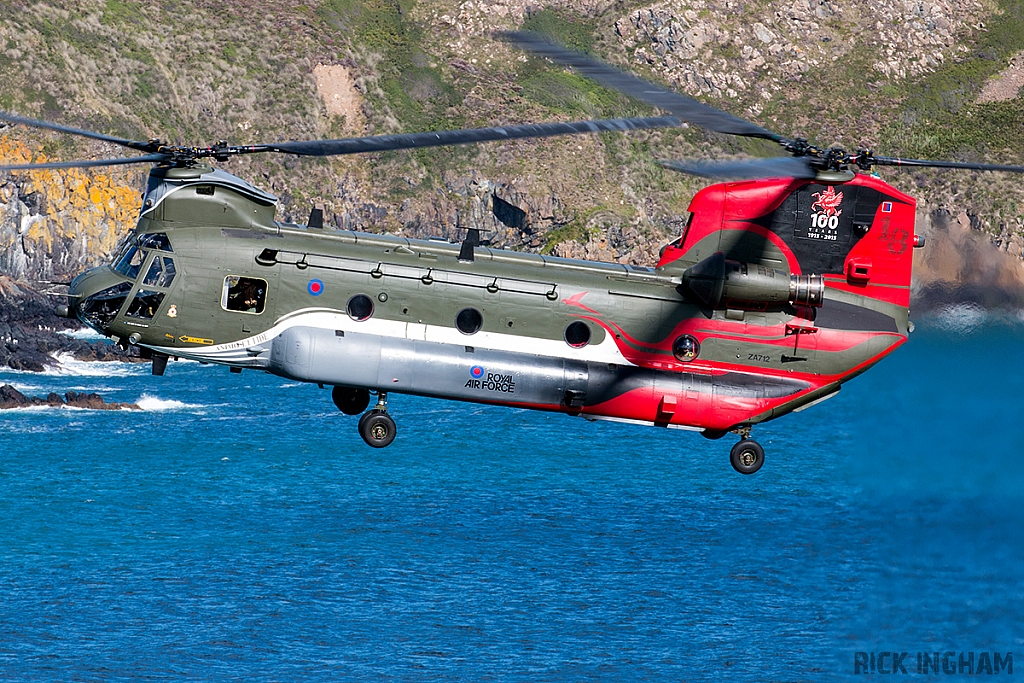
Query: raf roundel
point(315, 287)
point(476, 371)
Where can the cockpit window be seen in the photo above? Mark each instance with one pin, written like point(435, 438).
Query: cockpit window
point(161, 272)
point(122, 249)
point(155, 240)
point(245, 294)
point(145, 304)
point(130, 263)
point(99, 309)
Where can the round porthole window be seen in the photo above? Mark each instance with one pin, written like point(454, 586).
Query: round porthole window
point(360, 307)
point(469, 321)
point(577, 334)
point(685, 348)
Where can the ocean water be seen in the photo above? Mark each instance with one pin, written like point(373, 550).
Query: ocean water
point(239, 529)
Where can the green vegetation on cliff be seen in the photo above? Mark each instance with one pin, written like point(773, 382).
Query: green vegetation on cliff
point(941, 117)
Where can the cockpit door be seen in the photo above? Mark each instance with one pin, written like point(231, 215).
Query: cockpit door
point(150, 302)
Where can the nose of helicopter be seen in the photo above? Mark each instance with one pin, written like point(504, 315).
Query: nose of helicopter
point(95, 297)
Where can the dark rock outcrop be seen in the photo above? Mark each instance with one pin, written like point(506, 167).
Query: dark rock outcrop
point(12, 398)
point(31, 334)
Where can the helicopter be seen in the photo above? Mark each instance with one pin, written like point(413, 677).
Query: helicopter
point(789, 279)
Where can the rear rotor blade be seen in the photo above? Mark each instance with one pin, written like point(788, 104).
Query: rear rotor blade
point(896, 161)
point(37, 123)
point(682, 106)
point(773, 167)
point(380, 143)
point(147, 159)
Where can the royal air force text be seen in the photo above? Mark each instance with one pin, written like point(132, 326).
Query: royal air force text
point(504, 384)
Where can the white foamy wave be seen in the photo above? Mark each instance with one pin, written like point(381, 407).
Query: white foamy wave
point(69, 365)
point(23, 388)
point(44, 407)
point(86, 334)
point(16, 428)
point(47, 407)
point(31, 409)
point(964, 317)
point(155, 404)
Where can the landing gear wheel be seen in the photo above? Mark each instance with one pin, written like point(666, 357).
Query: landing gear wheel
point(377, 428)
point(747, 456)
point(350, 401)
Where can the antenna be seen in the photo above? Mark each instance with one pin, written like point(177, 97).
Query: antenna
point(316, 219)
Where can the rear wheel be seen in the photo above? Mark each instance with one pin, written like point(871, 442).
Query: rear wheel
point(350, 401)
point(377, 429)
point(747, 456)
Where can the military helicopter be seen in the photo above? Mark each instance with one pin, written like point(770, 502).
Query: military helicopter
point(783, 285)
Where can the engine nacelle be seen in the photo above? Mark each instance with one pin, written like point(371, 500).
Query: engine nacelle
point(721, 283)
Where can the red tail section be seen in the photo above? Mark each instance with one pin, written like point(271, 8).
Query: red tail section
point(859, 234)
point(856, 234)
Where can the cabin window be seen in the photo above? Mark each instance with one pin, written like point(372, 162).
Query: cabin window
point(161, 272)
point(130, 263)
point(155, 240)
point(145, 304)
point(244, 294)
point(685, 348)
point(360, 307)
point(577, 334)
point(469, 321)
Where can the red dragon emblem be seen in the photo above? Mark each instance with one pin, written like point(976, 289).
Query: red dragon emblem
point(828, 201)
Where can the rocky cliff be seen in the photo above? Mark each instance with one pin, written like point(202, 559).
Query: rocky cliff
point(53, 224)
point(913, 78)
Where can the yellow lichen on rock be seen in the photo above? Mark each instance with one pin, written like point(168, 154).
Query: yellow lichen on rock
point(14, 152)
point(81, 212)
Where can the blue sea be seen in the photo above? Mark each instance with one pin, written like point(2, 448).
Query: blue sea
point(238, 529)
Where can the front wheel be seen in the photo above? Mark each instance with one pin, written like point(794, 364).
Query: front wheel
point(747, 456)
point(350, 401)
point(377, 429)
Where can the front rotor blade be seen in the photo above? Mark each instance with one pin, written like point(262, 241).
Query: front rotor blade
point(773, 167)
point(149, 158)
point(380, 143)
point(896, 161)
point(37, 123)
point(682, 106)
